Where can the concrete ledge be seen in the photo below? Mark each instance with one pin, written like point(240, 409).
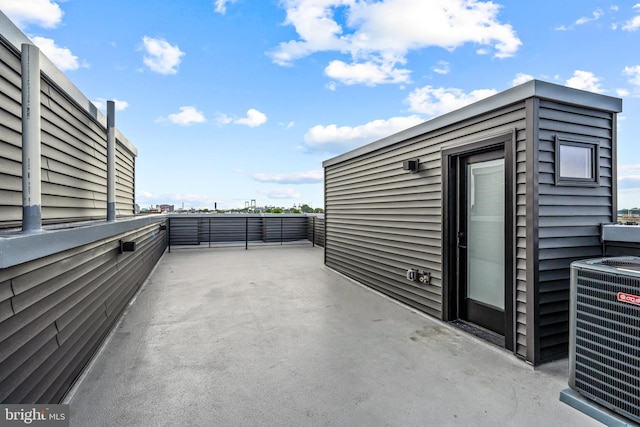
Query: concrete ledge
point(621, 233)
point(19, 248)
point(594, 410)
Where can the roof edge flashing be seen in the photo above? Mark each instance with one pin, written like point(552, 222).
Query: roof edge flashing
point(530, 89)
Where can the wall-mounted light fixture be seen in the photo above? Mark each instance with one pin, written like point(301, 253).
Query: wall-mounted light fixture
point(127, 246)
point(412, 165)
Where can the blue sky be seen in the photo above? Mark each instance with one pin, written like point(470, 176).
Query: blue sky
point(236, 100)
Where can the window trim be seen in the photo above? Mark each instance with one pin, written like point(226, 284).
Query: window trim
point(594, 181)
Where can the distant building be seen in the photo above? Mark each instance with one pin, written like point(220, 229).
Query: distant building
point(629, 216)
point(166, 208)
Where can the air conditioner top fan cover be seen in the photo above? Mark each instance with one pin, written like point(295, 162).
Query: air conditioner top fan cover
point(626, 264)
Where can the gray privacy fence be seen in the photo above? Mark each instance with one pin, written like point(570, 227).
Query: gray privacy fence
point(70, 156)
point(212, 229)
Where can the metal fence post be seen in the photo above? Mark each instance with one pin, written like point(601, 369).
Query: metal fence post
point(246, 233)
point(281, 222)
point(314, 232)
point(169, 233)
point(31, 150)
point(209, 231)
point(111, 161)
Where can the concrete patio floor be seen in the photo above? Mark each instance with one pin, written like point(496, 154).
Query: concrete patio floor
point(270, 337)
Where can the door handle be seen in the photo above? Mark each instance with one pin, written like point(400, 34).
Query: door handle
point(461, 235)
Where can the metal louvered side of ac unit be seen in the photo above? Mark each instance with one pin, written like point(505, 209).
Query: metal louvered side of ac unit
point(604, 363)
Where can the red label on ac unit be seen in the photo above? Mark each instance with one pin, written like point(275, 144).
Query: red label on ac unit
point(631, 299)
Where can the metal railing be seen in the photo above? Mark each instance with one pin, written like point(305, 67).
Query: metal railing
point(214, 229)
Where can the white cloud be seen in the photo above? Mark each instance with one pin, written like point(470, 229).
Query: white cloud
point(521, 78)
point(281, 193)
point(254, 118)
point(333, 138)
point(44, 13)
point(597, 14)
point(585, 80)
point(629, 186)
point(633, 73)
point(331, 86)
point(60, 56)
point(308, 177)
point(376, 43)
point(221, 5)
point(223, 119)
point(441, 67)
point(436, 101)
point(622, 92)
point(188, 115)
point(101, 104)
point(628, 177)
point(368, 73)
point(160, 56)
point(634, 23)
point(287, 125)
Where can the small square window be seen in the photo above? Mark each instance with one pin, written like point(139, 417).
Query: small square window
point(577, 163)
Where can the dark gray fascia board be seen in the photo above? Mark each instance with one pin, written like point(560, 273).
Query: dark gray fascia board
point(19, 248)
point(530, 89)
point(13, 35)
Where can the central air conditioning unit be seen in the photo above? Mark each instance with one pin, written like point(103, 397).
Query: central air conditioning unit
point(604, 353)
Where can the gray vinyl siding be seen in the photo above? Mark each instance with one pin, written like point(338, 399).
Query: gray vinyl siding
point(569, 216)
point(10, 137)
point(74, 160)
point(125, 180)
point(520, 223)
point(382, 220)
point(55, 311)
